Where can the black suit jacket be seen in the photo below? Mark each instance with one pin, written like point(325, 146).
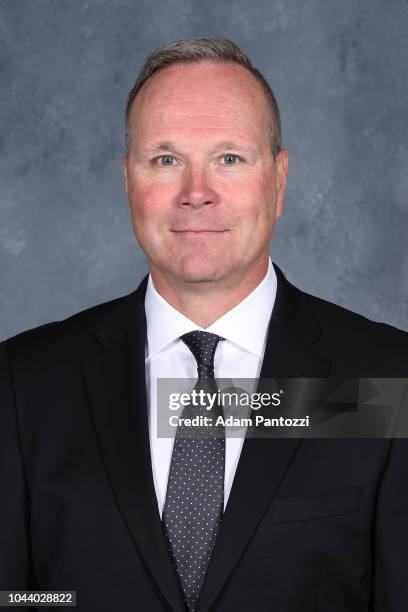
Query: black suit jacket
point(310, 525)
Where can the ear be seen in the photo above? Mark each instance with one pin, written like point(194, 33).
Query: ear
point(281, 178)
point(125, 163)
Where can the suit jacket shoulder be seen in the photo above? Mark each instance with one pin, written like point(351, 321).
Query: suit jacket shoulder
point(71, 336)
point(352, 338)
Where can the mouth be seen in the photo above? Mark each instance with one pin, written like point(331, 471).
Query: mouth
point(199, 231)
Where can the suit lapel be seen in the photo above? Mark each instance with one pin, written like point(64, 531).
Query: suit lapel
point(264, 461)
point(115, 382)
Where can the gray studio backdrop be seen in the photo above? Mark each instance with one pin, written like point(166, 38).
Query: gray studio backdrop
point(339, 71)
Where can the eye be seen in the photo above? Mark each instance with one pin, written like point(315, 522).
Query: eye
point(165, 160)
point(230, 159)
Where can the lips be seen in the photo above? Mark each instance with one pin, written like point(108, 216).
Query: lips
point(198, 231)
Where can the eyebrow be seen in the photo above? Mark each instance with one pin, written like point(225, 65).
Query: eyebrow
point(224, 144)
point(163, 146)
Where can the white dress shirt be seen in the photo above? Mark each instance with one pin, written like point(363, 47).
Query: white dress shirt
point(240, 355)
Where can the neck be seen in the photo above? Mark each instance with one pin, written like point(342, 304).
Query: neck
point(203, 302)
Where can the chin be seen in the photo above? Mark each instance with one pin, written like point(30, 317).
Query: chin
point(196, 270)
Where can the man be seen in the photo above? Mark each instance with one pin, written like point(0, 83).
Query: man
point(93, 499)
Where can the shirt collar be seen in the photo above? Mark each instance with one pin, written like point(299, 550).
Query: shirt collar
point(246, 324)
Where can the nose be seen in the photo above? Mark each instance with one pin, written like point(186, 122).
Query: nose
point(196, 189)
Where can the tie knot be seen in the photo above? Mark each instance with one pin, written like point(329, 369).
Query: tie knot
point(203, 345)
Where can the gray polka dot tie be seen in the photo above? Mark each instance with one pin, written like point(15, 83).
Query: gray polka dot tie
point(195, 491)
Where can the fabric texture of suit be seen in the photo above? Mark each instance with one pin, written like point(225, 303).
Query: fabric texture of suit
point(310, 525)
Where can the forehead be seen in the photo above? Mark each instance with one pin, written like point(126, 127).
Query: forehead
point(207, 97)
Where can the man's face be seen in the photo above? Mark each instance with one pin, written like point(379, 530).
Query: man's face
point(203, 188)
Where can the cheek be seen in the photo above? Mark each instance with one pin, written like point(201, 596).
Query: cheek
point(149, 202)
point(267, 200)
point(254, 202)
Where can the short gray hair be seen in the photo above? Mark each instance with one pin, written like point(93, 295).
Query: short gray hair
point(197, 50)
